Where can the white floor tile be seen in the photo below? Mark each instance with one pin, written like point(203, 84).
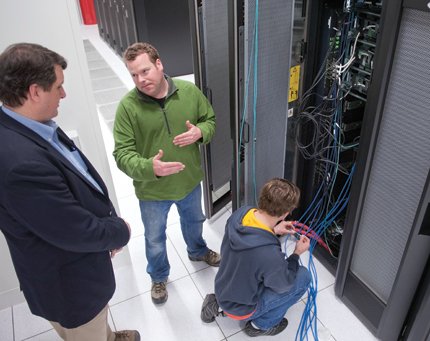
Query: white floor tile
point(342, 323)
point(50, 335)
point(204, 280)
point(26, 324)
point(213, 231)
point(6, 327)
point(130, 212)
point(177, 319)
point(133, 280)
point(175, 236)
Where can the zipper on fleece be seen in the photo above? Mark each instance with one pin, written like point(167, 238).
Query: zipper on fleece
point(167, 122)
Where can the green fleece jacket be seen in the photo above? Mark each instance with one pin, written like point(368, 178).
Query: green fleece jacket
point(142, 127)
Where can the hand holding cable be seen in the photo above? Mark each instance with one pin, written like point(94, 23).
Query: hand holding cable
point(307, 231)
point(284, 227)
point(302, 245)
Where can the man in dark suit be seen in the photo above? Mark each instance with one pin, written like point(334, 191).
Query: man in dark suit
point(55, 212)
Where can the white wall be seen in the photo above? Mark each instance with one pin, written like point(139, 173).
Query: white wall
point(56, 25)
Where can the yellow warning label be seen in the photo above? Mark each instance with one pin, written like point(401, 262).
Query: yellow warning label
point(293, 93)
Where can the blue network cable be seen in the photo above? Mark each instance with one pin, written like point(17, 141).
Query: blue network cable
point(308, 322)
point(322, 212)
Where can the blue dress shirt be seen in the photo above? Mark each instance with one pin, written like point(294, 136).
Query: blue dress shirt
point(48, 131)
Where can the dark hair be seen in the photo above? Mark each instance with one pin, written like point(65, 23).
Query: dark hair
point(139, 48)
point(278, 196)
point(24, 64)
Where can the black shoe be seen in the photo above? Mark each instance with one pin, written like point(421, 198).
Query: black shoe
point(210, 309)
point(212, 258)
point(252, 332)
point(159, 292)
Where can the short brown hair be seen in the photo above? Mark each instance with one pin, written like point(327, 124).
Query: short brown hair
point(24, 64)
point(137, 49)
point(278, 196)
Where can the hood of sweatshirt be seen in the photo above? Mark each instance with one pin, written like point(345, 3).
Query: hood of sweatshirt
point(243, 237)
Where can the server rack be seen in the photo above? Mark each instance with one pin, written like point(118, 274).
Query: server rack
point(233, 41)
point(164, 24)
point(375, 238)
point(212, 52)
point(101, 21)
point(386, 246)
point(111, 10)
point(337, 69)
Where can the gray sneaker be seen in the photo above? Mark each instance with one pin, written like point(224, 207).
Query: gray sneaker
point(159, 292)
point(252, 332)
point(127, 335)
point(211, 257)
point(210, 309)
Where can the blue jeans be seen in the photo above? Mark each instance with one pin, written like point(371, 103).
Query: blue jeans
point(272, 306)
point(154, 218)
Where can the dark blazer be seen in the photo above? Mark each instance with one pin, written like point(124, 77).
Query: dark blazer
point(59, 228)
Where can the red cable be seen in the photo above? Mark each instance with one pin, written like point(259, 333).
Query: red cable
point(310, 234)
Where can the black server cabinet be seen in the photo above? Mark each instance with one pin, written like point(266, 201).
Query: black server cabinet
point(378, 66)
point(119, 23)
point(234, 71)
point(212, 51)
point(113, 26)
point(101, 21)
point(129, 22)
point(386, 245)
point(106, 17)
point(335, 64)
point(266, 63)
point(166, 25)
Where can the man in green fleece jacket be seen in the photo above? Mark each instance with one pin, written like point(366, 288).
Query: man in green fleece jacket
point(158, 128)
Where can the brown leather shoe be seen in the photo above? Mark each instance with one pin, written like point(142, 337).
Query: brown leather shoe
point(211, 257)
point(159, 292)
point(127, 335)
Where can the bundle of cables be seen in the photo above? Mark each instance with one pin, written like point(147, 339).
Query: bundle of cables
point(319, 221)
point(325, 147)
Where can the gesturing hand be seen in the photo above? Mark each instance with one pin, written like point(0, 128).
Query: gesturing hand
point(189, 137)
point(162, 168)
